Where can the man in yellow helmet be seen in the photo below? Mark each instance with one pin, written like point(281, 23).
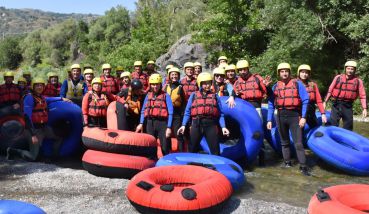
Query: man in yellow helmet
point(231, 75)
point(150, 68)
point(140, 75)
point(36, 110)
point(109, 83)
point(189, 82)
point(222, 60)
point(74, 88)
point(88, 75)
point(52, 88)
point(290, 98)
point(10, 94)
point(343, 91)
point(157, 110)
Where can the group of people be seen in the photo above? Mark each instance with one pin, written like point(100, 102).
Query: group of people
point(188, 108)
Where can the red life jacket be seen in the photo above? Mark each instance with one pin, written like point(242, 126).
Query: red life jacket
point(108, 85)
point(9, 93)
point(310, 89)
point(144, 78)
point(40, 115)
point(249, 89)
point(156, 106)
point(287, 96)
point(346, 90)
point(204, 105)
point(97, 105)
point(188, 87)
point(52, 90)
point(89, 86)
point(220, 90)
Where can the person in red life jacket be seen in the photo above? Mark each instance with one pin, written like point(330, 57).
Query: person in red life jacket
point(138, 74)
point(95, 104)
point(10, 93)
point(52, 88)
point(133, 101)
point(188, 82)
point(22, 85)
point(303, 74)
point(230, 72)
point(290, 98)
point(125, 79)
point(118, 71)
point(175, 91)
point(197, 69)
point(36, 110)
point(150, 68)
point(158, 112)
point(109, 83)
point(27, 76)
point(88, 75)
point(74, 88)
point(343, 91)
point(204, 108)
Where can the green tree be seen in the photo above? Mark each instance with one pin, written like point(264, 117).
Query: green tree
point(10, 53)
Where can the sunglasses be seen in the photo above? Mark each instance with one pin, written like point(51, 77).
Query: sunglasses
point(219, 75)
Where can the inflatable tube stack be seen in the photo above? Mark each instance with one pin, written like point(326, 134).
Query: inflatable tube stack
point(341, 148)
point(228, 168)
point(66, 120)
point(19, 207)
point(179, 189)
point(251, 128)
point(349, 198)
point(117, 153)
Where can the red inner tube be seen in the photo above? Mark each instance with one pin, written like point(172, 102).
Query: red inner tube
point(178, 188)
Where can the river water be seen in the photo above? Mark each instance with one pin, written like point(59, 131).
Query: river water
point(275, 184)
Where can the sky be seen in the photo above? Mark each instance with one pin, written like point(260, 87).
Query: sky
point(69, 6)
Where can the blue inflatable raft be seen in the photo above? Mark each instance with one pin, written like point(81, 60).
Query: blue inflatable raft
point(251, 129)
point(341, 148)
point(19, 207)
point(66, 120)
point(227, 167)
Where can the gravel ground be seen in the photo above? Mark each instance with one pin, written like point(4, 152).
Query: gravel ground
point(59, 189)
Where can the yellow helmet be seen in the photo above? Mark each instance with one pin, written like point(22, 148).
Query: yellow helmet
point(151, 62)
point(88, 71)
point(137, 63)
point(174, 69)
point(75, 66)
point(283, 65)
point(203, 77)
point(26, 73)
point(106, 66)
point(119, 68)
point(230, 67)
point(52, 74)
point(222, 58)
point(242, 64)
point(96, 80)
point(303, 67)
point(169, 67)
point(9, 74)
point(351, 63)
point(38, 80)
point(155, 79)
point(188, 65)
point(125, 74)
point(218, 70)
point(22, 79)
point(197, 64)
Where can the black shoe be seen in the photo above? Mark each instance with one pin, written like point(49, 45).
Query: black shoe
point(287, 164)
point(305, 170)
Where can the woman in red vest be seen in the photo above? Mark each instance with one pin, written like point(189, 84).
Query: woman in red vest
point(158, 111)
point(203, 107)
point(95, 104)
point(290, 99)
point(52, 88)
point(189, 81)
point(303, 73)
point(108, 81)
point(343, 91)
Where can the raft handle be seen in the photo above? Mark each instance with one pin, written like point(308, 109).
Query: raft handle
point(167, 187)
point(189, 194)
point(322, 196)
point(144, 185)
point(209, 166)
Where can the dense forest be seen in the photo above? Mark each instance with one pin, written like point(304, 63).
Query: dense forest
point(321, 33)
